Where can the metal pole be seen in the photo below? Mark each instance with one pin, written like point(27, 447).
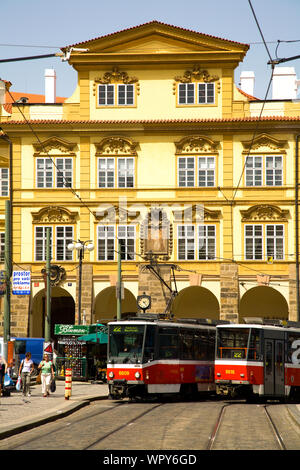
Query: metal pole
point(297, 224)
point(7, 268)
point(48, 290)
point(79, 284)
point(119, 296)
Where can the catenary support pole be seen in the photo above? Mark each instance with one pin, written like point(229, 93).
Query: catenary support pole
point(119, 289)
point(8, 273)
point(48, 289)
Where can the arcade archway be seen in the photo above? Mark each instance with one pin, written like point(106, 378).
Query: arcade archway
point(105, 304)
point(196, 302)
point(265, 302)
point(62, 311)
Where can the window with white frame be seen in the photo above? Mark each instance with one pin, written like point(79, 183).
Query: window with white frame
point(196, 93)
point(186, 93)
point(116, 94)
point(196, 242)
point(54, 173)
point(106, 239)
point(60, 237)
point(125, 172)
point(186, 242)
point(2, 246)
point(106, 172)
point(126, 95)
point(106, 95)
point(126, 237)
point(64, 172)
point(206, 171)
point(186, 171)
point(106, 242)
point(262, 241)
point(40, 243)
point(64, 236)
point(4, 182)
point(206, 93)
point(274, 170)
point(123, 167)
point(206, 242)
point(264, 170)
point(203, 166)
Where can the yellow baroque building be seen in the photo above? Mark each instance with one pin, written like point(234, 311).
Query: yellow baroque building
point(157, 152)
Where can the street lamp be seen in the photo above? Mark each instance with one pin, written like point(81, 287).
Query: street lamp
point(80, 246)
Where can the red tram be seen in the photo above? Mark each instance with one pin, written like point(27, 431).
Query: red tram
point(258, 359)
point(150, 357)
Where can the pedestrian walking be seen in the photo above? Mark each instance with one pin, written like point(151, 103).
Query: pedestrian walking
point(25, 371)
point(46, 367)
point(3, 369)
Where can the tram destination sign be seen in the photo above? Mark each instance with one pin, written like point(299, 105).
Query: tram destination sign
point(73, 330)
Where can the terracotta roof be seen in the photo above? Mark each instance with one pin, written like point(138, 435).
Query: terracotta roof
point(153, 23)
point(154, 121)
point(13, 96)
point(250, 97)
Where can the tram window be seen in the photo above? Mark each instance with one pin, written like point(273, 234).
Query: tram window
point(254, 346)
point(187, 344)
point(168, 343)
point(293, 348)
point(231, 341)
point(149, 343)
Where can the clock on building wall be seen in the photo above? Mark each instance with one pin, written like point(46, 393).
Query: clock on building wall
point(144, 302)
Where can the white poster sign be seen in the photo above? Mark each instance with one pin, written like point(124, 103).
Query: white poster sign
point(21, 283)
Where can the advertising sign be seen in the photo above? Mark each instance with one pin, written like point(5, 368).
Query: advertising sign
point(74, 329)
point(21, 283)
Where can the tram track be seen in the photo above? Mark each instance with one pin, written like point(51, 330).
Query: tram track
point(213, 438)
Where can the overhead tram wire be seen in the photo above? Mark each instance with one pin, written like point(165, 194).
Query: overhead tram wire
point(66, 182)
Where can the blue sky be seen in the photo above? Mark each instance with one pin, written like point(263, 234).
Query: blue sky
point(34, 27)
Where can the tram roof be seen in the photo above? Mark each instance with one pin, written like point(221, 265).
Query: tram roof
point(279, 325)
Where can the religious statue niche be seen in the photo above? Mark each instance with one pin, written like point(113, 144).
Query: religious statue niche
point(156, 235)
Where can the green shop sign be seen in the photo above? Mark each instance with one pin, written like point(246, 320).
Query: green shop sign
point(78, 330)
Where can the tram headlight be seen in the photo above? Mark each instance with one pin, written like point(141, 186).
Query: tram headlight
point(111, 375)
point(137, 375)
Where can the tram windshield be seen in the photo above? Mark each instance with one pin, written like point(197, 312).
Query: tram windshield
point(127, 345)
point(238, 343)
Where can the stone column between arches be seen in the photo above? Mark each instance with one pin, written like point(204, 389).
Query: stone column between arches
point(230, 295)
point(86, 294)
point(151, 285)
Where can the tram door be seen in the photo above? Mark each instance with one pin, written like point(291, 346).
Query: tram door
point(274, 367)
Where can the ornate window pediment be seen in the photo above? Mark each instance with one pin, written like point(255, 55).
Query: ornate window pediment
point(116, 145)
point(196, 144)
point(55, 143)
point(115, 214)
point(264, 212)
point(54, 214)
point(264, 140)
point(196, 213)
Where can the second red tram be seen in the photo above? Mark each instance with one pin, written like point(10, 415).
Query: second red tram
point(258, 359)
point(148, 357)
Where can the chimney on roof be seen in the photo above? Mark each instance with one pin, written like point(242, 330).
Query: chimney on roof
point(247, 82)
point(285, 83)
point(50, 86)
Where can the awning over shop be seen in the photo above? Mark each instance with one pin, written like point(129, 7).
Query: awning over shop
point(97, 337)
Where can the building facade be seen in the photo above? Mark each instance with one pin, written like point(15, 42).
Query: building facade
point(160, 155)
